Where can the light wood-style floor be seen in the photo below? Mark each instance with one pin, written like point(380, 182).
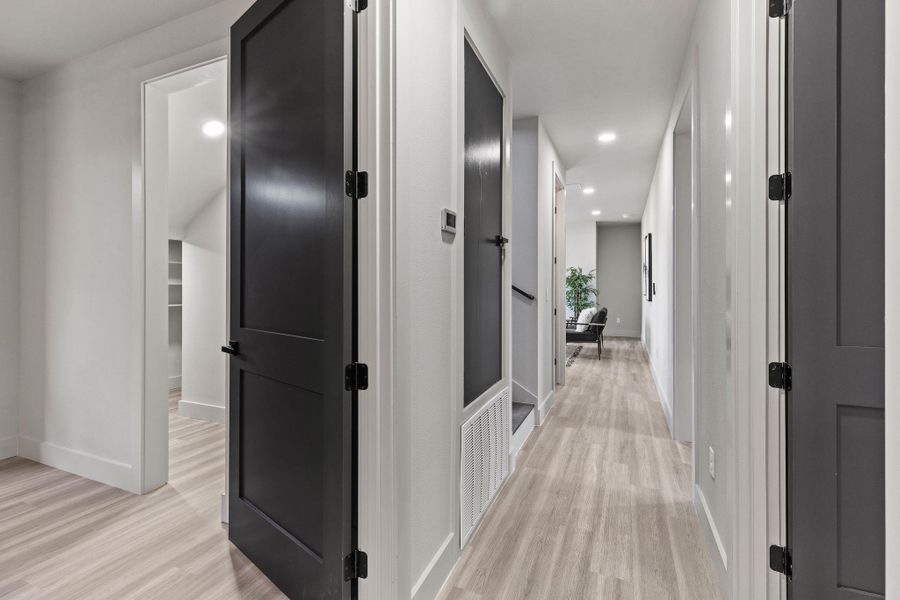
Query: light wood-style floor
point(599, 506)
point(63, 537)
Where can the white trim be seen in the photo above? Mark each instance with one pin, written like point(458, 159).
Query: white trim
point(892, 298)
point(201, 411)
point(521, 394)
point(520, 436)
point(543, 410)
point(660, 391)
point(150, 431)
point(9, 447)
point(377, 460)
point(709, 524)
point(426, 587)
point(632, 334)
point(174, 383)
point(84, 464)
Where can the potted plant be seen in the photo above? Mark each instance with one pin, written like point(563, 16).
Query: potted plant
point(580, 293)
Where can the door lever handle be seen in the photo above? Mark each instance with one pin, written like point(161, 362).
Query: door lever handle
point(501, 241)
point(232, 348)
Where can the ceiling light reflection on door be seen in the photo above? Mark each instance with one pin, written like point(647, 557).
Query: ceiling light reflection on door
point(213, 129)
point(588, 191)
point(596, 213)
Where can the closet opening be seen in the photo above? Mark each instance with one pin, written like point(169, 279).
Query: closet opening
point(186, 201)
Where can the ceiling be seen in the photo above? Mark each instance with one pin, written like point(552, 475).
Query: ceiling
point(197, 163)
point(36, 35)
point(591, 66)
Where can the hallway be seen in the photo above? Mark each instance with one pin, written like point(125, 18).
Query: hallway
point(600, 503)
point(66, 538)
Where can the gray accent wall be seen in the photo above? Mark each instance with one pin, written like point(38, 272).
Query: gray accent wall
point(619, 277)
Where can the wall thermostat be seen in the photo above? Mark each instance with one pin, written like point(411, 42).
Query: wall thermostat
point(448, 221)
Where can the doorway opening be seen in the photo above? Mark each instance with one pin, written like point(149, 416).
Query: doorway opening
point(185, 152)
point(684, 268)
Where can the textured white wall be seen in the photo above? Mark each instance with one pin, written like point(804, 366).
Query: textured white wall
point(581, 248)
point(524, 250)
point(429, 176)
point(10, 140)
point(81, 372)
point(708, 65)
point(618, 254)
point(204, 366)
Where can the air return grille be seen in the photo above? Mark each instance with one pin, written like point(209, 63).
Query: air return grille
point(485, 460)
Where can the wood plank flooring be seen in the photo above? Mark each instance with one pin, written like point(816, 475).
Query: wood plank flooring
point(63, 537)
point(599, 506)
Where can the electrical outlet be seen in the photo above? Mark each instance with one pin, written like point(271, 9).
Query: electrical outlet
point(712, 462)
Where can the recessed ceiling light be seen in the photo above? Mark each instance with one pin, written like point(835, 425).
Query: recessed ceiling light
point(588, 191)
point(596, 213)
point(213, 129)
point(607, 137)
point(625, 216)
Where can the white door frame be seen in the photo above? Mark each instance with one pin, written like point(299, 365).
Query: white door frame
point(558, 278)
point(149, 226)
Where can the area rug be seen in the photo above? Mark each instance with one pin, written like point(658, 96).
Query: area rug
point(572, 352)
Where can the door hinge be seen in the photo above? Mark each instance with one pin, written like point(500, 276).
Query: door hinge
point(358, 6)
point(780, 376)
point(356, 565)
point(779, 8)
point(356, 377)
point(780, 186)
point(356, 184)
point(780, 560)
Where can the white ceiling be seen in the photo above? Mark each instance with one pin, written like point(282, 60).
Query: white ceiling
point(590, 66)
point(197, 163)
point(39, 35)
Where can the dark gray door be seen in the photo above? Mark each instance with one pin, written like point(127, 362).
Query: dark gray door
point(483, 230)
point(291, 472)
point(835, 300)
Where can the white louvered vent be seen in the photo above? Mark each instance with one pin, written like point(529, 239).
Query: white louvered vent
point(485, 461)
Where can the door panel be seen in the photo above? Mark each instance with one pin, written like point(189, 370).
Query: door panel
point(835, 300)
point(291, 478)
point(483, 223)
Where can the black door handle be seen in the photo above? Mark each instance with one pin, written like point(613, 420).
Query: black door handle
point(500, 241)
point(232, 348)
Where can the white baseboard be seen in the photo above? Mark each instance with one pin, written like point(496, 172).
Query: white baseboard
point(522, 394)
point(174, 383)
point(519, 437)
point(709, 525)
point(9, 447)
point(436, 573)
point(201, 411)
point(661, 392)
point(545, 407)
point(223, 509)
point(622, 333)
point(90, 466)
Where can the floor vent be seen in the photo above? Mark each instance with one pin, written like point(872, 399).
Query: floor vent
point(485, 460)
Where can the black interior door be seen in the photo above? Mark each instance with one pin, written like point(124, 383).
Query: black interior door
point(291, 469)
point(835, 300)
point(484, 243)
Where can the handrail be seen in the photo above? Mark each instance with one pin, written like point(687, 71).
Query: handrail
point(524, 293)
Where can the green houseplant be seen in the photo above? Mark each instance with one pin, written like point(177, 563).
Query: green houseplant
point(580, 293)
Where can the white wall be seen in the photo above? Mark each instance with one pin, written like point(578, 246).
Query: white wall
point(534, 159)
point(618, 256)
point(204, 366)
point(81, 326)
point(428, 276)
point(892, 288)
point(708, 66)
point(581, 248)
point(549, 167)
point(10, 139)
point(524, 251)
